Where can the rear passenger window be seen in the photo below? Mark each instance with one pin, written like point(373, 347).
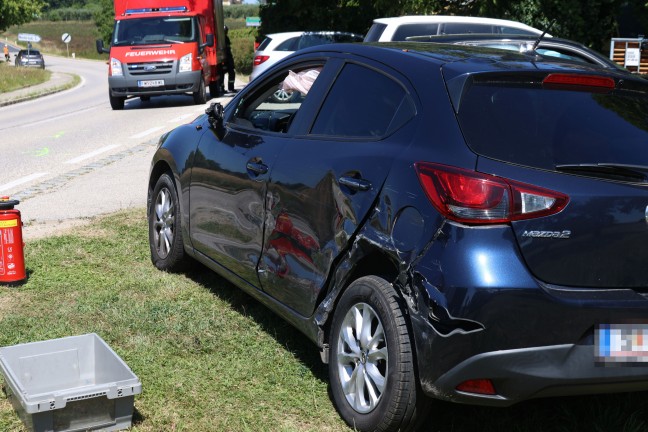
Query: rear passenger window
point(288, 45)
point(463, 28)
point(423, 29)
point(363, 103)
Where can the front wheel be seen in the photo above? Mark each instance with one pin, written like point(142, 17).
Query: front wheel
point(200, 95)
point(371, 364)
point(165, 228)
point(116, 102)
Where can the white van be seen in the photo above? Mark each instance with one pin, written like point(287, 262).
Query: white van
point(400, 28)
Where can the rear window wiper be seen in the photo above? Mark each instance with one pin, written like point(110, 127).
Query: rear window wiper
point(612, 171)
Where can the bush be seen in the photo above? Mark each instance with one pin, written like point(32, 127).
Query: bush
point(240, 11)
point(243, 48)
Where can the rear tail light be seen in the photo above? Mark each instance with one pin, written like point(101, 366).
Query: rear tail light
point(477, 386)
point(475, 198)
point(260, 59)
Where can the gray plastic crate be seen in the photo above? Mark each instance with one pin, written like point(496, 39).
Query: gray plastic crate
point(75, 383)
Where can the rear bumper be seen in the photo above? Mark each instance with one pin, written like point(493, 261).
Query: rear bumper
point(180, 83)
point(521, 374)
point(479, 314)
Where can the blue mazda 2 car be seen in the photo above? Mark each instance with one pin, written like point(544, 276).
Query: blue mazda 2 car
point(447, 222)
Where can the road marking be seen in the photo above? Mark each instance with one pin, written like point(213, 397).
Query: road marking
point(40, 152)
point(147, 132)
point(21, 181)
point(92, 154)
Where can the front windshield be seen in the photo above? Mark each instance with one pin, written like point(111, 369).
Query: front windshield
point(151, 30)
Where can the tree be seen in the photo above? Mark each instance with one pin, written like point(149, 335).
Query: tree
point(15, 12)
point(104, 19)
point(591, 22)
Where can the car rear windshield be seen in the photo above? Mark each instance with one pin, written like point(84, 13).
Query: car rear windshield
point(374, 33)
point(264, 44)
point(530, 124)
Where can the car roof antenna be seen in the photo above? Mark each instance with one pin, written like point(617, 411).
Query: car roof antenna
point(537, 42)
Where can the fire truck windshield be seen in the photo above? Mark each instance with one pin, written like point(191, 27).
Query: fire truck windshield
point(153, 30)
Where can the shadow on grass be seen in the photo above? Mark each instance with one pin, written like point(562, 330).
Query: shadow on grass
point(625, 412)
point(284, 333)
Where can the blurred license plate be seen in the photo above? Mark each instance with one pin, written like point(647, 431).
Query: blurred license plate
point(150, 83)
point(621, 343)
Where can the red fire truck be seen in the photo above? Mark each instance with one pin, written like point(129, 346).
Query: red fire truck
point(164, 47)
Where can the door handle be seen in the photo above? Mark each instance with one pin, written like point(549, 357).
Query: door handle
point(257, 168)
point(355, 184)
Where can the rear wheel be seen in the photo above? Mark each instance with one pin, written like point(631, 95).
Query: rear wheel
point(165, 230)
point(371, 364)
point(116, 102)
point(200, 95)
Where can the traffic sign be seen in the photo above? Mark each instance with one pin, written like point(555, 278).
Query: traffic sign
point(252, 21)
point(27, 37)
point(66, 38)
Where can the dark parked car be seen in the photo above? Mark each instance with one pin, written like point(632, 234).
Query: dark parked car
point(545, 46)
point(31, 57)
point(441, 221)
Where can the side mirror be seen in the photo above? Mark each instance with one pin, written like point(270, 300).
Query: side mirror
point(215, 116)
point(209, 42)
point(100, 47)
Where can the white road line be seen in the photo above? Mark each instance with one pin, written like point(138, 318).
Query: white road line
point(91, 154)
point(147, 132)
point(21, 181)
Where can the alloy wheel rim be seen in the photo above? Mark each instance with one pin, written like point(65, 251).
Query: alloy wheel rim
point(283, 95)
point(163, 231)
point(362, 358)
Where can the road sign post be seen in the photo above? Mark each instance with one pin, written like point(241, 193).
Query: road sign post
point(67, 39)
point(29, 38)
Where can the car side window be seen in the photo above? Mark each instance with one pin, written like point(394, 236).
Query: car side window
point(276, 103)
point(420, 29)
point(363, 103)
point(289, 44)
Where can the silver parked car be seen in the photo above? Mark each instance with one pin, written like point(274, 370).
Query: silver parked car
point(30, 57)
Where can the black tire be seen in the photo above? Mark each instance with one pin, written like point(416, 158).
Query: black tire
point(165, 228)
point(200, 95)
point(372, 304)
point(116, 102)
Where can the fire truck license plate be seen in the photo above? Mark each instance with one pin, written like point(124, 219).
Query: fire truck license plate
point(150, 83)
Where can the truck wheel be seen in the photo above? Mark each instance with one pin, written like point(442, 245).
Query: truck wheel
point(200, 96)
point(116, 102)
point(371, 363)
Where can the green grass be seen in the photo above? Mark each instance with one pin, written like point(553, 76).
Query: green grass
point(13, 78)
point(210, 358)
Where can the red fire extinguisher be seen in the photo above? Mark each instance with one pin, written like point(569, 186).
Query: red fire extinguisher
point(12, 259)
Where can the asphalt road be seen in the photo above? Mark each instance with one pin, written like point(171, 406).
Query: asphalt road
point(69, 157)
